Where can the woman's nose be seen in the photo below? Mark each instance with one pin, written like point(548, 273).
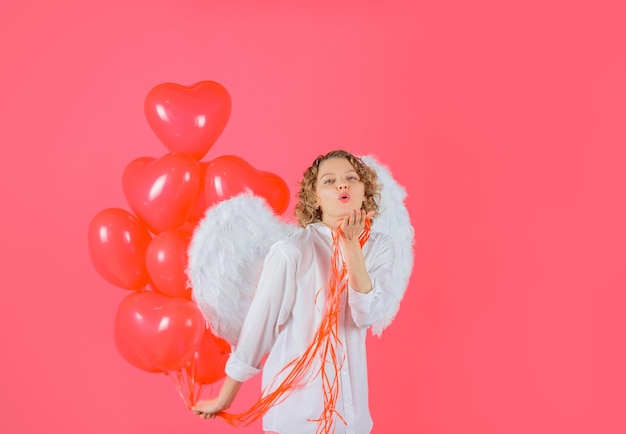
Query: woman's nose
point(342, 186)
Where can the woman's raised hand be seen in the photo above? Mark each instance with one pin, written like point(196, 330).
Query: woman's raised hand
point(353, 224)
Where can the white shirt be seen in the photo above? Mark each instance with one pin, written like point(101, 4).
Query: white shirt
point(284, 316)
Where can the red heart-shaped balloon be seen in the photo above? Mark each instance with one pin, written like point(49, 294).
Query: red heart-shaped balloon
point(126, 348)
point(163, 332)
point(162, 192)
point(166, 260)
point(188, 119)
point(118, 242)
point(228, 176)
point(209, 360)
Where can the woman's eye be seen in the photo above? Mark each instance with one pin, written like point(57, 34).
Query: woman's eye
point(328, 181)
point(353, 178)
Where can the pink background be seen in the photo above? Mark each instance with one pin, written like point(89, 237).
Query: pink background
point(505, 121)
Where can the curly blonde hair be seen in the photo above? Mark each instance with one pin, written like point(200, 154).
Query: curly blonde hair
point(305, 210)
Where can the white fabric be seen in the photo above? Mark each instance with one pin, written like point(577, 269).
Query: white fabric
point(283, 318)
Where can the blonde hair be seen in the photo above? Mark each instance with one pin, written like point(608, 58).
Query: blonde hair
point(305, 210)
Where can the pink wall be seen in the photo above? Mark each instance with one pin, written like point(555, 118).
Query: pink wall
point(505, 121)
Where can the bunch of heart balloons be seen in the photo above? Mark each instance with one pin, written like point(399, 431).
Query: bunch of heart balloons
point(158, 328)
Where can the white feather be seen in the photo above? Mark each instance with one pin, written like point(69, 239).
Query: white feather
point(395, 221)
point(226, 255)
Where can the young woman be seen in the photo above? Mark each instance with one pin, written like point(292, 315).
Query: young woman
point(320, 290)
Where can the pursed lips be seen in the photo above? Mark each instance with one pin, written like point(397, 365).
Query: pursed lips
point(345, 197)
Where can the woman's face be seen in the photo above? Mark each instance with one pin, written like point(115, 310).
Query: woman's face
point(339, 189)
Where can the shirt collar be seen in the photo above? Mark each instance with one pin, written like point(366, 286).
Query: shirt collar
point(322, 228)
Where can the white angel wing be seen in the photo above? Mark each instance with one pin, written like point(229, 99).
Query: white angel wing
point(226, 255)
point(393, 220)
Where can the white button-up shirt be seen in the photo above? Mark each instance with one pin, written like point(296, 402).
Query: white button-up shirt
point(283, 319)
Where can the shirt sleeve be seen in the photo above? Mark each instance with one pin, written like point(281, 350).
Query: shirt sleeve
point(269, 310)
point(368, 308)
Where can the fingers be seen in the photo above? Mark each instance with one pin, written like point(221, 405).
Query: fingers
point(204, 415)
point(357, 218)
point(198, 410)
point(351, 218)
point(353, 224)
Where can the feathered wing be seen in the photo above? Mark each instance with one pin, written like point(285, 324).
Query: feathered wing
point(395, 221)
point(226, 255)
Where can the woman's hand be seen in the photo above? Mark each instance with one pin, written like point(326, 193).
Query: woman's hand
point(353, 224)
point(208, 408)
